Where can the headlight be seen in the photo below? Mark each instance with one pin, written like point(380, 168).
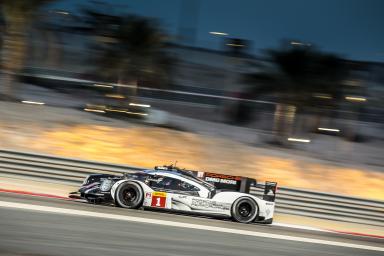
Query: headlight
point(106, 185)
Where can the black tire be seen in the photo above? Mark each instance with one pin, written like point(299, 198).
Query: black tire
point(244, 210)
point(129, 195)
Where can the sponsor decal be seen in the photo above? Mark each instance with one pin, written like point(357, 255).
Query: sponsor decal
point(222, 176)
point(208, 204)
point(159, 194)
point(148, 195)
point(154, 179)
point(218, 180)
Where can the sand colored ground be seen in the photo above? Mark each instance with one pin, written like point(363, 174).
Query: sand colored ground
point(77, 134)
point(33, 186)
point(150, 146)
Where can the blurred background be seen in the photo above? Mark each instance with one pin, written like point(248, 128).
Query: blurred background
point(290, 91)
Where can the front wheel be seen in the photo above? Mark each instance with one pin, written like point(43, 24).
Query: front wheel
point(244, 210)
point(129, 195)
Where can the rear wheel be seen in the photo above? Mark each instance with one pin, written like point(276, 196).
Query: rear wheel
point(129, 195)
point(244, 210)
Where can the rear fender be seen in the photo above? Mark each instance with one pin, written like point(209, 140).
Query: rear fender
point(266, 208)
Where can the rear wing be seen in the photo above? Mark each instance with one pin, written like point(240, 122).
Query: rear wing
point(267, 190)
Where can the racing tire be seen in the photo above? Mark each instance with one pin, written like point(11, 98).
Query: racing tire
point(129, 195)
point(244, 210)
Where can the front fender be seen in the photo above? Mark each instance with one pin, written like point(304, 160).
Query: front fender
point(114, 188)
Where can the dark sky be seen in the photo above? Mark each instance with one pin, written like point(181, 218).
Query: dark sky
point(352, 28)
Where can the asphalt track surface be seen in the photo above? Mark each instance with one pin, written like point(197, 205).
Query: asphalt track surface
point(28, 231)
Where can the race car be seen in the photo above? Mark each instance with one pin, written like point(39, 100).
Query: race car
point(174, 189)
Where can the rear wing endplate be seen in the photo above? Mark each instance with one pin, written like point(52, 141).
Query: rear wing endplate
point(270, 189)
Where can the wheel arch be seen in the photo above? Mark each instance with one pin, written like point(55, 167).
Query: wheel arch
point(135, 196)
point(120, 183)
point(250, 197)
point(231, 197)
point(237, 203)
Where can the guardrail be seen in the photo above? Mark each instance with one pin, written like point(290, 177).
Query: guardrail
point(289, 201)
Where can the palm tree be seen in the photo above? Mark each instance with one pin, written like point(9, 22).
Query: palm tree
point(129, 49)
point(301, 79)
point(18, 16)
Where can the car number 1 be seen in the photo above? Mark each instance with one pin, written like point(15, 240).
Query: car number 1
point(159, 199)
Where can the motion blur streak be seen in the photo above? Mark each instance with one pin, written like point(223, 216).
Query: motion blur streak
point(218, 33)
point(350, 98)
point(299, 140)
point(94, 110)
point(33, 102)
point(49, 209)
point(328, 129)
point(103, 85)
point(140, 105)
point(136, 113)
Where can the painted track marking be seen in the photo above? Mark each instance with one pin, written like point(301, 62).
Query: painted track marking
point(48, 209)
point(277, 224)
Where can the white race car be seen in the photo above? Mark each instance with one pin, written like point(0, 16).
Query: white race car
point(173, 189)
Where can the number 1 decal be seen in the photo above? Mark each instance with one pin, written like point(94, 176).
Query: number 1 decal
point(159, 199)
